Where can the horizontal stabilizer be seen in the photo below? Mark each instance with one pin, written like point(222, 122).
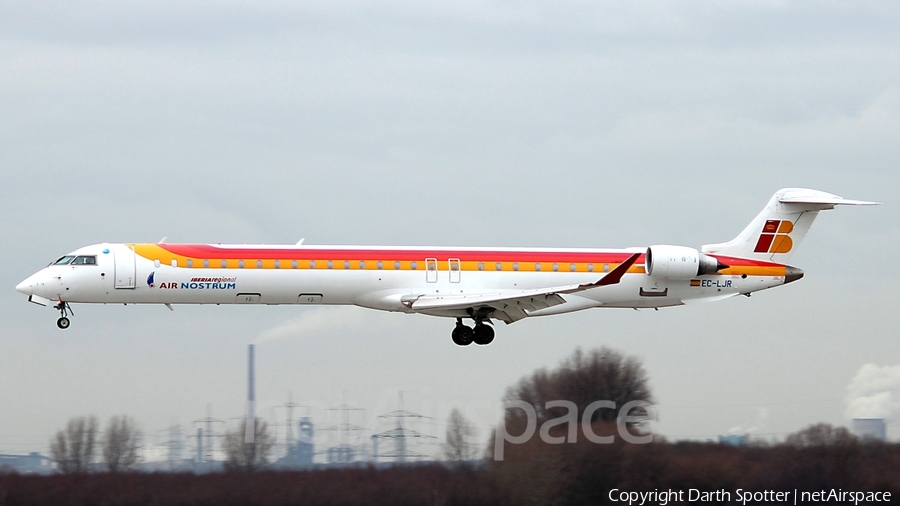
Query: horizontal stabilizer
point(830, 200)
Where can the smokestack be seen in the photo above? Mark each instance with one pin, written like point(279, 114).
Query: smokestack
point(250, 426)
point(250, 393)
point(199, 445)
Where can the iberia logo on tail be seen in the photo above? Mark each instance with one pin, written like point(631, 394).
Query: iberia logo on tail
point(774, 237)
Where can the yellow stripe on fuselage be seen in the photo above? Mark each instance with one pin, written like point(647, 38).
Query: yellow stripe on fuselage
point(154, 252)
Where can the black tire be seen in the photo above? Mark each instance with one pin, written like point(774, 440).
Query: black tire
point(483, 334)
point(462, 335)
point(63, 323)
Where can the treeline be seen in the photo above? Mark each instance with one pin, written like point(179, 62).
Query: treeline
point(818, 458)
point(76, 449)
point(577, 454)
point(532, 473)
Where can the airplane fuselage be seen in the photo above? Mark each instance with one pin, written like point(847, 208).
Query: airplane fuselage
point(374, 277)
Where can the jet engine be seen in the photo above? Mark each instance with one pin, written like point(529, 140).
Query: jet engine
point(679, 262)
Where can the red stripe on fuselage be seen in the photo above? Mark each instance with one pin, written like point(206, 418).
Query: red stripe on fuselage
point(745, 262)
point(212, 252)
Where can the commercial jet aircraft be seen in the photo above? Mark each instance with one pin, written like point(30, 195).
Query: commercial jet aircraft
point(478, 284)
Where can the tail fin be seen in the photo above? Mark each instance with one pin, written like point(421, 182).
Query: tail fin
point(776, 232)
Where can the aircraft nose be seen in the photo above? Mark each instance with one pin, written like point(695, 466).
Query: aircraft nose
point(26, 286)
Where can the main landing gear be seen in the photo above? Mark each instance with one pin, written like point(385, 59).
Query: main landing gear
point(64, 309)
point(464, 335)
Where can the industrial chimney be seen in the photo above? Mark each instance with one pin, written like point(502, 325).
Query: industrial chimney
point(250, 429)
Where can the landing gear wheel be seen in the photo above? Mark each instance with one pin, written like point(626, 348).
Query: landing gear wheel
point(462, 335)
point(483, 334)
point(64, 310)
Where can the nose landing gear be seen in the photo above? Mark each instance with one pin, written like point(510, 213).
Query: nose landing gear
point(64, 309)
point(464, 335)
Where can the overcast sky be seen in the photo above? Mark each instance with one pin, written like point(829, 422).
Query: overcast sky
point(594, 124)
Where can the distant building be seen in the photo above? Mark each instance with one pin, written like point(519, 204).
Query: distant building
point(869, 428)
point(33, 463)
point(300, 453)
point(341, 454)
point(733, 440)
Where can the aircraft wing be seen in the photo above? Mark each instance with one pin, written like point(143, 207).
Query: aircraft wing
point(513, 305)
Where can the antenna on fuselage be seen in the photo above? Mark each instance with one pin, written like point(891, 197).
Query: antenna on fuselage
point(163, 240)
point(300, 242)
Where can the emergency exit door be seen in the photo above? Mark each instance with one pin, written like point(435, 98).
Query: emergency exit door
point(455, 268)
point(431, 270)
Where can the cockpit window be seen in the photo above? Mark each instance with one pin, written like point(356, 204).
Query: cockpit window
point(85, 260)
point(64, 260)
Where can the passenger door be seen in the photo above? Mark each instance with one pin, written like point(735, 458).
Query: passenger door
point(125, 268)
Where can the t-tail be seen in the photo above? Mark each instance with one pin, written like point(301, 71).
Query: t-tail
point(778, 229)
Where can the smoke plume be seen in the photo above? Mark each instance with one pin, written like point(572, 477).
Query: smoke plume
point(874, 393)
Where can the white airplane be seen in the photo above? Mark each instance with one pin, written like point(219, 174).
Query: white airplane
point(481, 284)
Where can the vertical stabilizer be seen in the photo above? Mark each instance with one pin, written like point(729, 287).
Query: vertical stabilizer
point(777, 230)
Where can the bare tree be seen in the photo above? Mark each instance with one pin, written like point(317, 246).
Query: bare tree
point(244, 455)
point(602, 374)
point(822, 434)
point(121, 441)
point(458, 446)
point(73, 448)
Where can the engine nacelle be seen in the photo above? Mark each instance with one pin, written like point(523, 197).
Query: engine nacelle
point(679, 262)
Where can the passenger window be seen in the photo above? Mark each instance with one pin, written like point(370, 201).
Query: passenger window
point(190, 263)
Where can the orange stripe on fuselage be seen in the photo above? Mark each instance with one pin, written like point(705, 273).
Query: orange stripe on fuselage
point(739, 266)
point(470, 260)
